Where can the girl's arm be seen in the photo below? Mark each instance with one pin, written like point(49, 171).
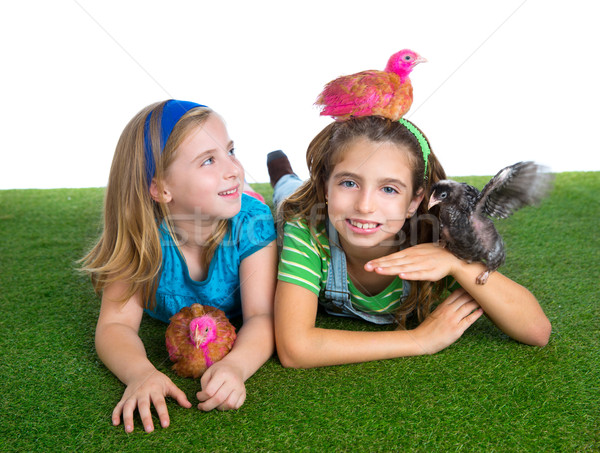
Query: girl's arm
point(509, 305)
point(302, 345)
point(121, 349)
point(223, 383)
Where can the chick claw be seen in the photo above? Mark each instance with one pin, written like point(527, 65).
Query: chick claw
point(483, 277)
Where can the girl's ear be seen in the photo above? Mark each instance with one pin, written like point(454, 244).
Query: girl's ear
point(158, 193)
point(415, 202)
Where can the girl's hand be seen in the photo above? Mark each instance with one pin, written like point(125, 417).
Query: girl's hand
point(447, 322)
point(425, 262)
point(222, 388)
point(152, 388)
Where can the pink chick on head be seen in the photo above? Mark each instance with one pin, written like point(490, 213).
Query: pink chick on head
point(387, 93)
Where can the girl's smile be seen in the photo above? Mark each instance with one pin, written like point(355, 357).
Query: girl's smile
point(231, 193)
point(362, 226)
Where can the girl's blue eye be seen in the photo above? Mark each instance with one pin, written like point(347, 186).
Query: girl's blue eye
point(208, 161)
point(389, 190)
point(232, 152)
point(348, 184)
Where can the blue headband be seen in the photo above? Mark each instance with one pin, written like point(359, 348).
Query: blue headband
point(172, 112)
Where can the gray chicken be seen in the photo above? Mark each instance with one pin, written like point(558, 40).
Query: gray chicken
point(465, 225)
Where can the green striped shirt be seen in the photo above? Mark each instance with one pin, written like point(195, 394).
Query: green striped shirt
point(302, 263)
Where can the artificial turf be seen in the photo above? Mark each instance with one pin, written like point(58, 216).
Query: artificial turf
point(486, 392)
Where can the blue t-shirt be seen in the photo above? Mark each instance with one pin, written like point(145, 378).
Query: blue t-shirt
point(250, 230)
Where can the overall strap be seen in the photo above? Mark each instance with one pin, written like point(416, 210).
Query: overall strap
point(336, 289)
point(337, 295)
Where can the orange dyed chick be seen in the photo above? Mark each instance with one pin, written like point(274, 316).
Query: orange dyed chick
point(197, 337)
point(386, 93)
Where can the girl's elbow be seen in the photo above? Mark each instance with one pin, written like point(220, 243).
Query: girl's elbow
point(291, 354)
point(544, 334)
point(287, 361)
point(100, 335)
point(540, 334)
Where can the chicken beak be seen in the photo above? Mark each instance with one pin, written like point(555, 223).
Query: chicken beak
point(432, 202)
point(196, 337)
point(420, 59)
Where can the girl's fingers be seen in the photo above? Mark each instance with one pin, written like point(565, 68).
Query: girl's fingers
point(427, 255)
point(161, 410)
point(390, 270)
point(209, 389)
point(210, 403)
point(240, 401)
point(143, 403)
point(221, 388)
point(418, 269)
point(233, 401)
point(426, 274)
point(160, 403)
point(384, 262)
point(227, 397)
point(179, 396)
point(467, 308)
point(390, 260)
point(461, 297)
point(216, 401)
point(116, 414)
point(455, 295)
point(402, 257)
point(473, 316)
point(210, 384)
point(128, 409)
point(145, 415)
point(396, 267)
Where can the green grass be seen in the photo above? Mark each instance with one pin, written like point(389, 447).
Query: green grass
point(483, 393)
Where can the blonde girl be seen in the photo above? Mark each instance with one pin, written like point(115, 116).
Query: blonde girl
point(350, 247)
point(178, 230)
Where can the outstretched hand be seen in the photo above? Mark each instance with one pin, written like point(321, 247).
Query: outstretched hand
point(141, 394)
point(425, 262)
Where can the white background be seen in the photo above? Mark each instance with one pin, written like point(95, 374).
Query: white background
point(505, 81)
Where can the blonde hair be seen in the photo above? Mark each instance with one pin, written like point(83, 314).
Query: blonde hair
point(129, 248)
point(325, 151)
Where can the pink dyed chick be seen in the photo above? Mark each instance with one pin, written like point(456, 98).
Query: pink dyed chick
point(197, 337)
point(385, 93)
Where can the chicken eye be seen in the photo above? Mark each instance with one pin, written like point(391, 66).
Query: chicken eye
point(443, 195)
point(408, 58)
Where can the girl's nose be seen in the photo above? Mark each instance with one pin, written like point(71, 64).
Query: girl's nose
point(233, 168)
point(364, 202)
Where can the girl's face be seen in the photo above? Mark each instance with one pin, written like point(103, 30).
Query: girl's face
point(370, 194)
point(205, 180)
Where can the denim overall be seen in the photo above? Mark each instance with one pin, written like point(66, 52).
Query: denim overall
point(337, 296)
